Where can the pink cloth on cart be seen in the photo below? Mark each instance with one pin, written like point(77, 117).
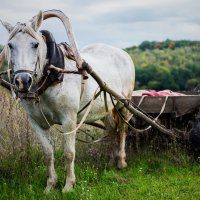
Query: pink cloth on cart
point(154, 93)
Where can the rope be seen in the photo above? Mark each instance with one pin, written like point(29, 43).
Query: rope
point(85, 115)
point(86, 133)
point(82, 120)
point(94, 141)
point(141, 100)
point(161, 111)
point(133, 128)
point(96, 95)
point(43, 82)
point(11, 86)
point(122, 117)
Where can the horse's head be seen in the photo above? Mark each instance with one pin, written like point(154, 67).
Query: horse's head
point(26, 50)
point(26, 53)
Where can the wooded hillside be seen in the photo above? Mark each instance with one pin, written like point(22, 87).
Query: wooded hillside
point(170, 64)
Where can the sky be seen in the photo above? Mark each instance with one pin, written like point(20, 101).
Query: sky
point(121, 23)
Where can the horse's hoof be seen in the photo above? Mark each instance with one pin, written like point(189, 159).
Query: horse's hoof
point(69, 187)
point(51, 182)
point(121, 164)
point(47, 190)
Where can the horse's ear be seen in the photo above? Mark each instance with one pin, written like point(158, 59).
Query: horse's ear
point(38, 21)
point(8, 26)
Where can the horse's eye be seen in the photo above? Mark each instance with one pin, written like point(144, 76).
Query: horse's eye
point(10, 46)
point(35, 45)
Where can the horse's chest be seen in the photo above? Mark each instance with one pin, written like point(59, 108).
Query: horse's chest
point(43, 114)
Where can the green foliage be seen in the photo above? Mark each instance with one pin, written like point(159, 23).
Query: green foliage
point(170, 64)
point(167, 44)
point(1, 47)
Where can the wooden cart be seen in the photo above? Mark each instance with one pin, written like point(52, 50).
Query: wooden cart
point(176, 106)
point(177, 113)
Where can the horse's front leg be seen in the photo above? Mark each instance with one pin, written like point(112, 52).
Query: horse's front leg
point(45, 141)
point(69, 152)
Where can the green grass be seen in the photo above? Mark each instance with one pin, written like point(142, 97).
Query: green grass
point(148, 176)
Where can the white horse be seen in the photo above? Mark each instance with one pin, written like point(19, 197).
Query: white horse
point(27, 56)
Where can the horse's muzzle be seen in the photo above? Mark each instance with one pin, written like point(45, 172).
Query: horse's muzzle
point(23, 81)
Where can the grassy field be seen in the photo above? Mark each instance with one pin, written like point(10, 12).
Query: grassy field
point(149, 175)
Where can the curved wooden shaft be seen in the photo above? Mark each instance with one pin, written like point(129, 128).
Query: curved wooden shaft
point(66, 22)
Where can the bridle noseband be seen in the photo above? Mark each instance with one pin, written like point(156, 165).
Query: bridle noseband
point(25, 71)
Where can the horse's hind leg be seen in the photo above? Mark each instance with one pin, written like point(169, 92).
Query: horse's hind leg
point(119, 130)
point(111, 129)
point(116, 127)
point(121, 134)
point(45, 141)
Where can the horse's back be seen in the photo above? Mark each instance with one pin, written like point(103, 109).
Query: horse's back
point(113, 65)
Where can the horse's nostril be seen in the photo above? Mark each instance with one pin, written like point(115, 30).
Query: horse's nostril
point(23, 81)
point(16, 82)
point(29, 81)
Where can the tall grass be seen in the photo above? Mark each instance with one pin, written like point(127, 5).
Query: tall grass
point(15, 133)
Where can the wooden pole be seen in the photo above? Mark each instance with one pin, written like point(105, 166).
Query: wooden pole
point(5, 84)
